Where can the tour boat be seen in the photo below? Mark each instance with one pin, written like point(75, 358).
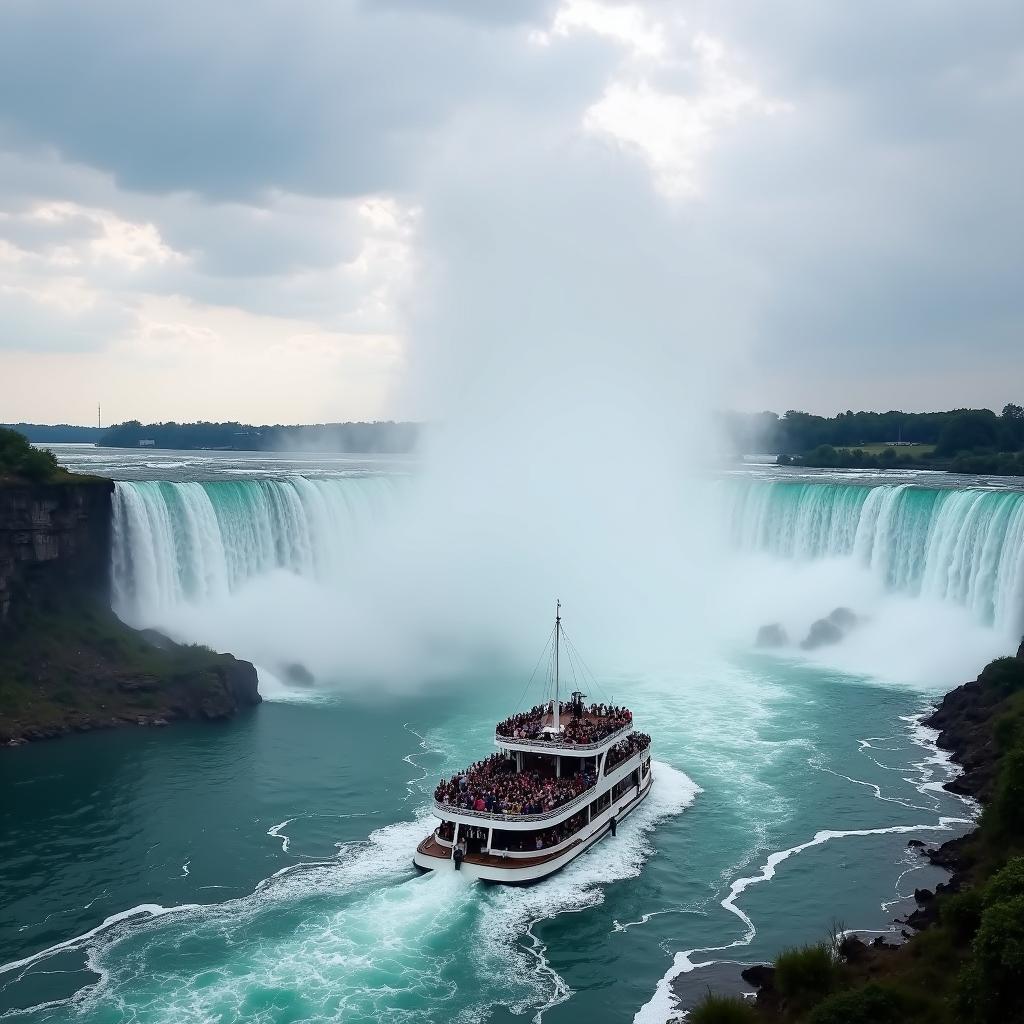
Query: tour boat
point(564, 775)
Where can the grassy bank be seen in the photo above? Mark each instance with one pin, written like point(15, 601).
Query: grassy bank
point(78, 667)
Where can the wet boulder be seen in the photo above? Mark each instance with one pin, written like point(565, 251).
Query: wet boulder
point(772, 635)
point(823, 632)
point(843, 618)
point(831, 629)
point(298, 675)
point(761, 976)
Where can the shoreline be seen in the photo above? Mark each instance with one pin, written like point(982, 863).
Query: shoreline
point(674, 991)
point(947, 966)
point(79, 669)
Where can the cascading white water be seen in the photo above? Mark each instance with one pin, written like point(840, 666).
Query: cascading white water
point(179, 543)
point(961, 546)
point(187, 542)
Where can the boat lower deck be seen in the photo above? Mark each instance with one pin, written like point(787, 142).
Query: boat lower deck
point(432, 855)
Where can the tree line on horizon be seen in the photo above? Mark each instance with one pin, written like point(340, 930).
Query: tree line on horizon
point(377, 437)
point(960, 440)
point(796, 432)
point(963, 440)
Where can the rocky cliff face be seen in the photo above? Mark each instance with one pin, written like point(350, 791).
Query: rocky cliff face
point(54, 538)
point(67, 663)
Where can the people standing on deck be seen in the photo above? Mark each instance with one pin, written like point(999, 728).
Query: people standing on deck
point(590, 726)
point(493, 786)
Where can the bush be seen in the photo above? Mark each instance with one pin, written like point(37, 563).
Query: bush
point(805, 975)
point(969, 998)
point(714, 1009)
point(872, 1004)
point(1009, 727)
point(37, 465)
point(961, 913)
point(991, 985)
point(1006, 884)
point(19, 458)
point(1003, 675)
point(1005, 815)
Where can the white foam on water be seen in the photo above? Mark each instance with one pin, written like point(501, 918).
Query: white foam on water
point(660, 1007)
point(275, 691)
point(915, 863)
point(386, 852)
point(510, 915)
point(934, 772)
point(352, 938)
point(938, 768)
point(412, 786)
point(275, 831)
point(873, 786)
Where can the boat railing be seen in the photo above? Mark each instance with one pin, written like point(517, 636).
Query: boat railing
point(559, 744)
point(583, 798)
point(613, 760)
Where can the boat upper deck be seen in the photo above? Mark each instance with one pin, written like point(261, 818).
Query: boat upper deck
point(494, 789)
point(581, 727)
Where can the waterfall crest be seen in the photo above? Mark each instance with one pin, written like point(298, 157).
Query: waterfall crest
point(177, 542)
point(186, 542)
point(963, 546)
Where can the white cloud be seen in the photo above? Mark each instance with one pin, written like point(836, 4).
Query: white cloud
point(133, 245)
point(401, 173)
point(627, 24)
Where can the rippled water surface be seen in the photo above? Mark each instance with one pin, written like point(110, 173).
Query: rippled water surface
point(261, 870)
point(292, 830)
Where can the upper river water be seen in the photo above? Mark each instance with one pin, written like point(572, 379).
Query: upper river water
point(260, 870)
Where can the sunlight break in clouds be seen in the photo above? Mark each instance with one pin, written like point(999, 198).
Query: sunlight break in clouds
point(627, 24)
point(672, 129)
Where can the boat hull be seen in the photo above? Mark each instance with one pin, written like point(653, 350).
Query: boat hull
point(430, 856)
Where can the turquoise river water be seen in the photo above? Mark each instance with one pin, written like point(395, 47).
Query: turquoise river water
point(260, 870)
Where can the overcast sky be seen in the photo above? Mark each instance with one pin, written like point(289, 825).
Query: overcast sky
point(344, 210)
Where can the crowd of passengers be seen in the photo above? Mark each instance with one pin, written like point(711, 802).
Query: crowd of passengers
point(494, 785)
point(552, 836)
point(625, 749)
point(580, 724)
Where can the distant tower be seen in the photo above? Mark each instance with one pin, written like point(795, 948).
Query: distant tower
point(99, 416)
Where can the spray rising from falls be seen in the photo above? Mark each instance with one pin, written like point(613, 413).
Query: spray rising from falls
point(309, 570)
point(964, 547)
point(188, 542)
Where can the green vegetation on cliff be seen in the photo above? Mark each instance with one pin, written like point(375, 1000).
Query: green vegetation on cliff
point(19, 461)
point(77, 667)
point(67, 663)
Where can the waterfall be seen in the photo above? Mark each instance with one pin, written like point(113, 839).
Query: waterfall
point(964, 546)
point(175, 542)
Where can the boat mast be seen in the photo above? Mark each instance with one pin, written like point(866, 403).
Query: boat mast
point(558, 632)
